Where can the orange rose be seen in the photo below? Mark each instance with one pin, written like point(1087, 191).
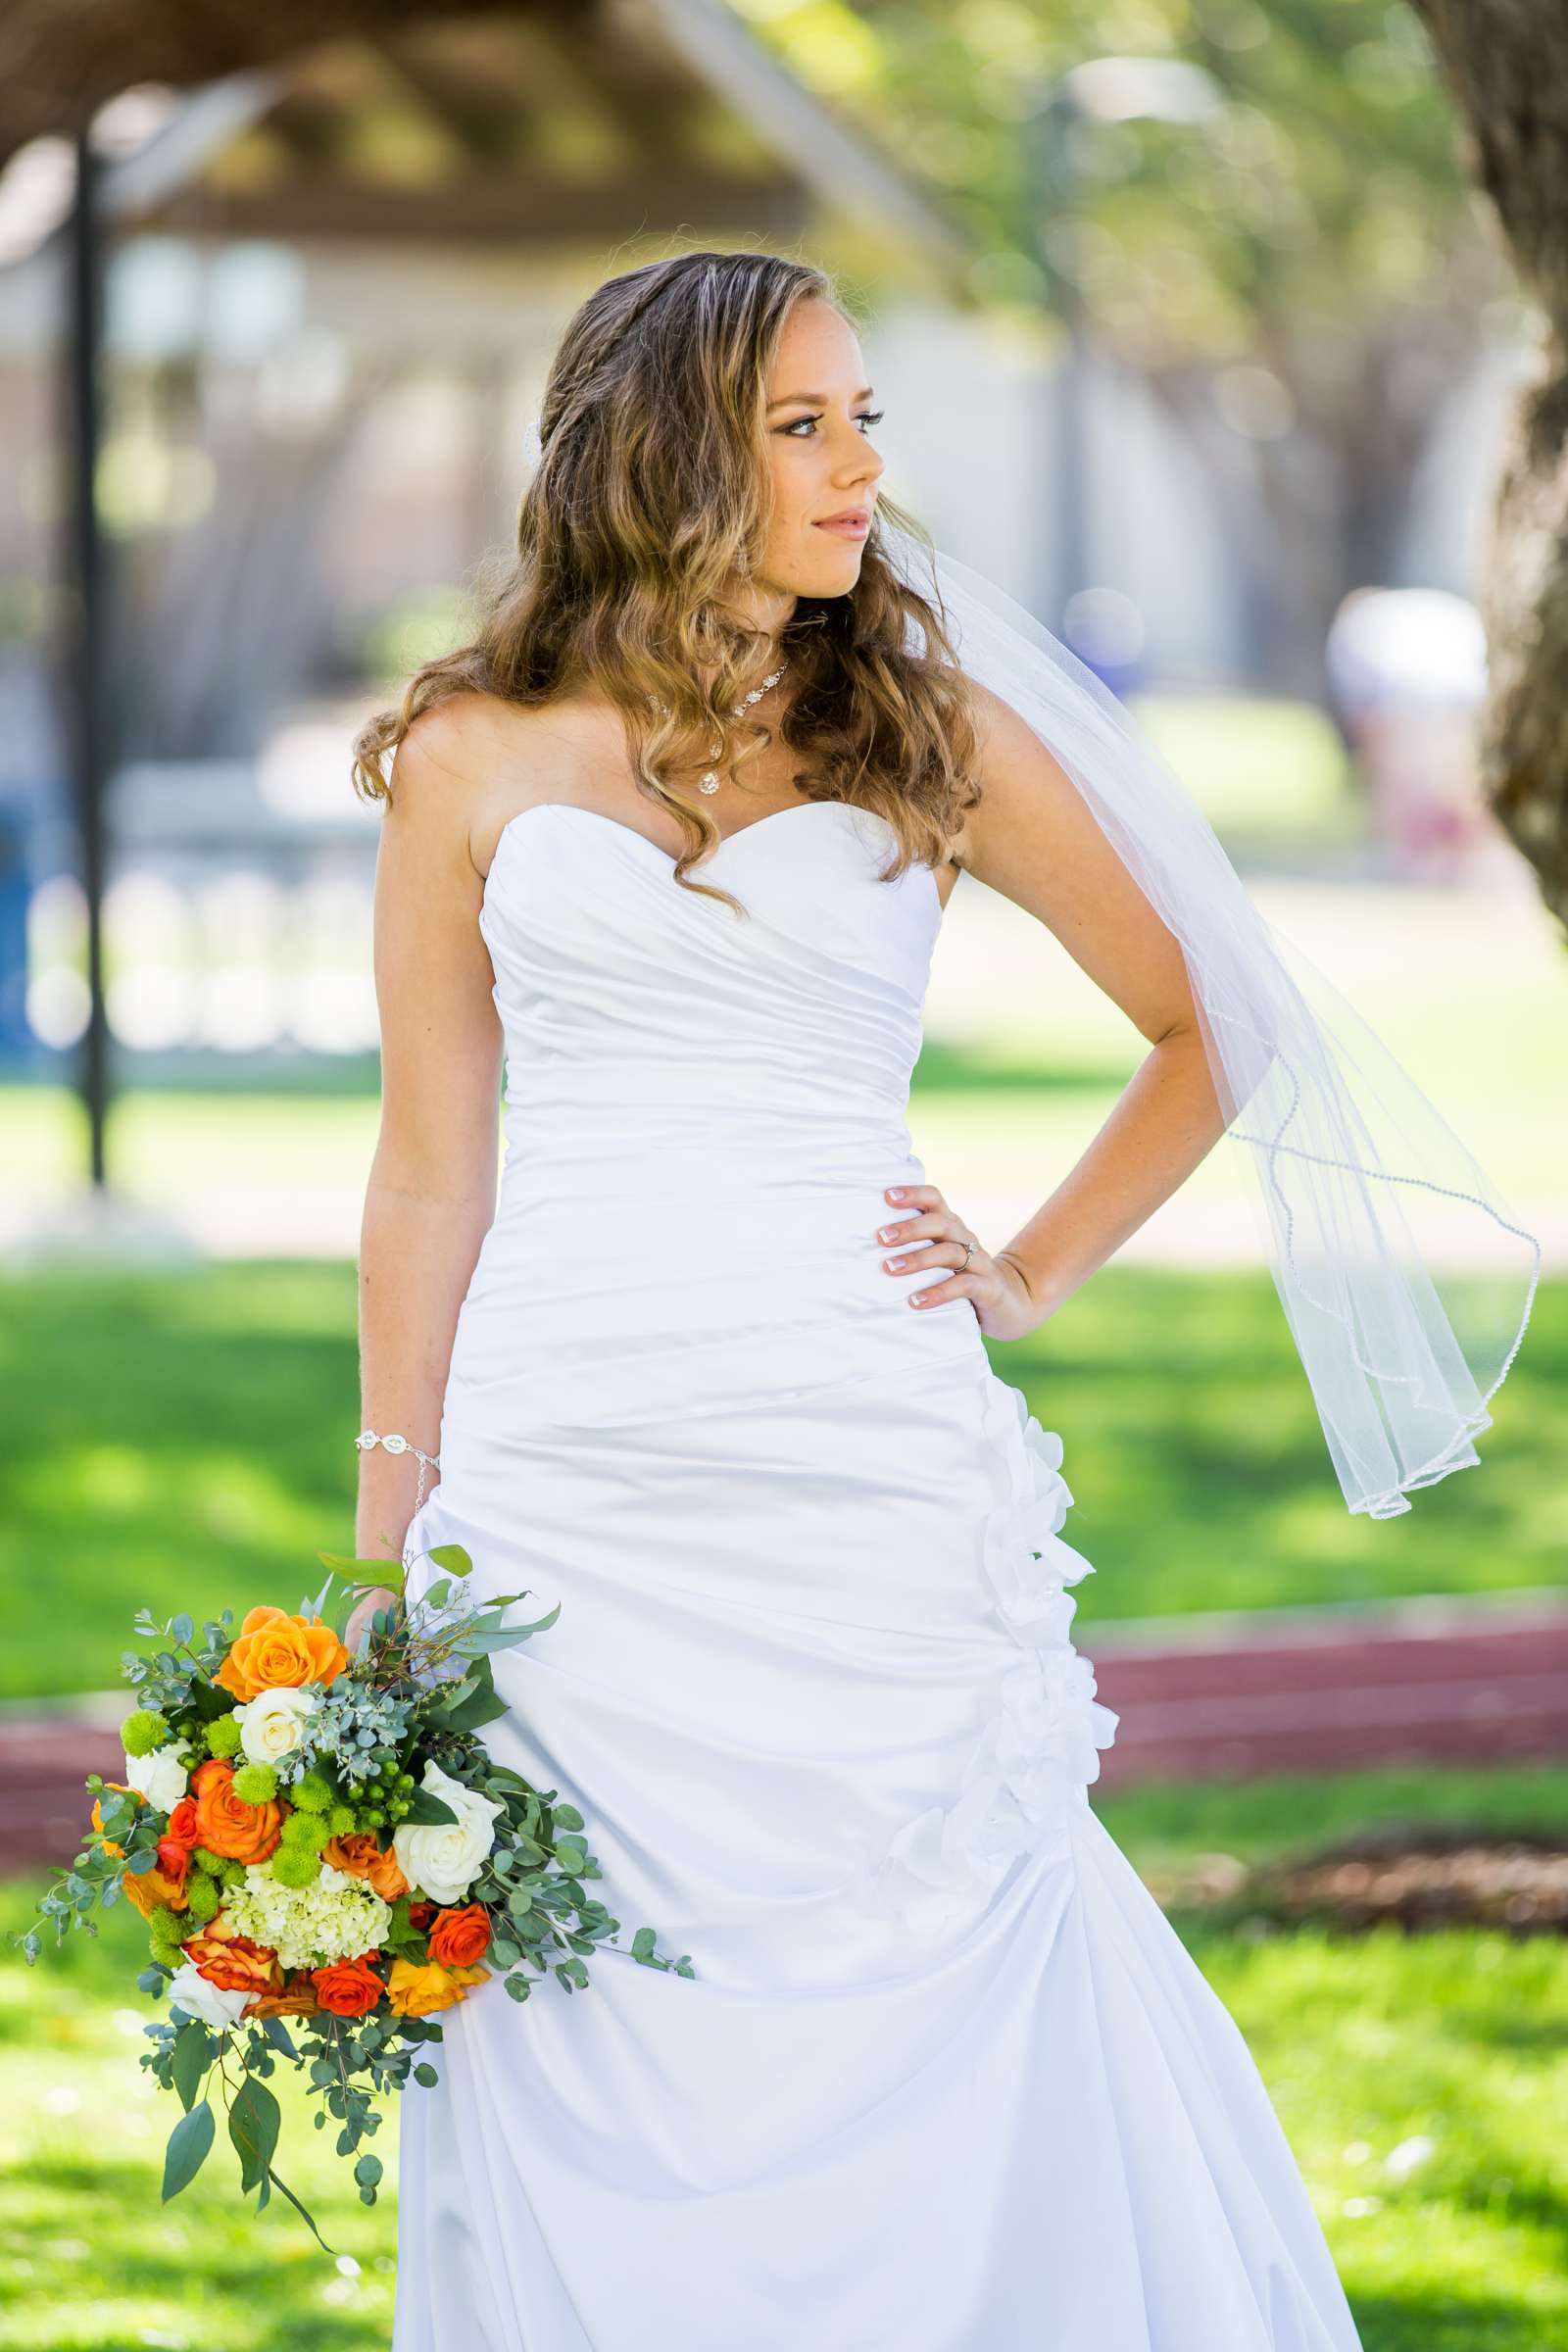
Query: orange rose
point(460, 1937)
point(233, 1962)
point(182, 1823)
point(416, 1990)
point(348, 1988)
point(274, 1651)
point(363, 1858)
point(173, 1862)
point(146, 1890)
point(224, 1825)
point(421, 1913)
point(297, 1998)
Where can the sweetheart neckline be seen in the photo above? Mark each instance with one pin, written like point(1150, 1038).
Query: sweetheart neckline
point(633, 833)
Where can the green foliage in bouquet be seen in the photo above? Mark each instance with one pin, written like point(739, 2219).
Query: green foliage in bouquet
point(277, 1830)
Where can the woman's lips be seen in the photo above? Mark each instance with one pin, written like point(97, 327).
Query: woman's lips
point(850, 526)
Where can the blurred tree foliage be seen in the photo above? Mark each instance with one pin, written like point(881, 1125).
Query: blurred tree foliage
point(1325, 188)
point(1301, 274)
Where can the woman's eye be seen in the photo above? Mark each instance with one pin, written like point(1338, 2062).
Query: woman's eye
point(866, 417)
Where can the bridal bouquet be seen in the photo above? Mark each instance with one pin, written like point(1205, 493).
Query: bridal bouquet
point(326, 1839)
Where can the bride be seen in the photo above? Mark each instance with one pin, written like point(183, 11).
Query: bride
point(672, 838)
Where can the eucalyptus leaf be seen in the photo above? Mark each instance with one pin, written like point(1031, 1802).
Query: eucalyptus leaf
point(365, 1572)
point(506, 1637)
point(278, 2033)
point(191, 2058)
point(485, 1707)
point(282, 2185)
point(189, 2144)
point(253, 2118)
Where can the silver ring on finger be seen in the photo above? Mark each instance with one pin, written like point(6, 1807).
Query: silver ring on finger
point(968, 1252)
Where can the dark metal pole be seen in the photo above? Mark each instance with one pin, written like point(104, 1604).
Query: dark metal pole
point(82, 617)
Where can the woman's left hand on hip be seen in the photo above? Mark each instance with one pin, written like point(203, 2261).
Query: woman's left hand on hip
point(936, 1240)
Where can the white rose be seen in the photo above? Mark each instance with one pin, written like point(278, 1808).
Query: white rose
point(442, 1858)
point(272, 1724)
point(160, 1777)
point(199, 1997)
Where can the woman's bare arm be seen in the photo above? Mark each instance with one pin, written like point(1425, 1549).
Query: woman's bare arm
point(431, 1192)
point(1033, 838)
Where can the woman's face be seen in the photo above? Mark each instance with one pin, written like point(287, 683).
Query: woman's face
point(821, 415)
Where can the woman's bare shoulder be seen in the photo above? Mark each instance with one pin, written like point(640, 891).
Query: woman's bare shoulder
point(478, 757)
point(462, 733)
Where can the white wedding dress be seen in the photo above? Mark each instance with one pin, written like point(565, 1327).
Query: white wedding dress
point(946, 2080)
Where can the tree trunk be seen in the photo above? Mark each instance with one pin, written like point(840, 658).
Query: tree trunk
point(1507, 64)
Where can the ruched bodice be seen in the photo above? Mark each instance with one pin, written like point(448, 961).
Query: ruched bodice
point(702, 1110)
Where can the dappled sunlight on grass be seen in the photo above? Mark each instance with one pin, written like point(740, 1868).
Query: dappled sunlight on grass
point(1422, 2082)
point(1435, 2152)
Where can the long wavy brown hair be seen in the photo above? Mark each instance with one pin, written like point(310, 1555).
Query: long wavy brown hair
point(651, 497)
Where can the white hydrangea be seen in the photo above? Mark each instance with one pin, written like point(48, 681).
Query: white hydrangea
point(336, 1918)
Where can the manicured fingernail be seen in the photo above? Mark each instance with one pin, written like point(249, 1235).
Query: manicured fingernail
point(895, 1191)
point(918, 1299)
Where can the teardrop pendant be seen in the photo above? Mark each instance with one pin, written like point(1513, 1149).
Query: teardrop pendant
point(710, 782)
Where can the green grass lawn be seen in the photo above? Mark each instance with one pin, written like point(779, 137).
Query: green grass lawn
point(1447, 2054)
point(184, 1440)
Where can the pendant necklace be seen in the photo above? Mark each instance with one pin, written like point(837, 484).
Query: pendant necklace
point(710, 782)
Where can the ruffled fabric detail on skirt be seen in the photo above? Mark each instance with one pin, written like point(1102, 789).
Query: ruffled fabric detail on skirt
point(1041, 1747)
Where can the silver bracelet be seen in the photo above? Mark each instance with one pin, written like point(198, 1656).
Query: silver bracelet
point(396, 1444)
